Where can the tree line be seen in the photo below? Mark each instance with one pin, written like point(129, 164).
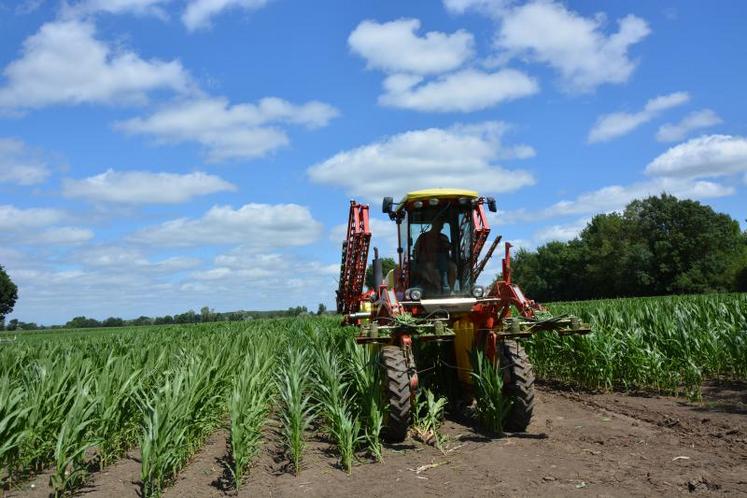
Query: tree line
point(205, 315)
point(656, 246)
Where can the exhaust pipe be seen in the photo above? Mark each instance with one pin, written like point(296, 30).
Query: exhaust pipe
point(378, 270)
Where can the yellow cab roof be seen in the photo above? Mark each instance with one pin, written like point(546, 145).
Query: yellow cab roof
point(419, 195)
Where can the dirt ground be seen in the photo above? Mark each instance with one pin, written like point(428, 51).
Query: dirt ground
point(577, 445)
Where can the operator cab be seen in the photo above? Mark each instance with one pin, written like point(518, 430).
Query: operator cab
point(437, 232)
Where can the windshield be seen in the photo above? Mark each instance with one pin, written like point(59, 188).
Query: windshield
point(439, 249)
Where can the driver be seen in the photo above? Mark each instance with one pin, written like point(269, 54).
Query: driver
point(432, 253)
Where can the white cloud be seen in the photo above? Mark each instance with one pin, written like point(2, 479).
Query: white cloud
point(13, 218)
point(256, 225)
point(199, 13)
point(60, 235)
point(673, 132)
point(493, 8)
point(240, 131)
point(561, 233)
point(122, 258)
point(39, 226)
point(269, 273)
point(395, 47)
point(139, 7)
point(461, 156)
point(63, 63)
point(143, 187)
point(20, 165)
point(408, 59)
point(705, 156)
point(614, 125)
point(383, 234)
point(615, 197)
point(578, 47)
point(465, 91)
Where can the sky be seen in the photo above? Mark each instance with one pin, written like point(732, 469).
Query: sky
point(158, 156)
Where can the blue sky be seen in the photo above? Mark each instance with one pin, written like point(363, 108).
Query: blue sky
point(162, 155)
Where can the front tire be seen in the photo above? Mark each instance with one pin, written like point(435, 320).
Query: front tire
point(518, 385)
point(396, 393)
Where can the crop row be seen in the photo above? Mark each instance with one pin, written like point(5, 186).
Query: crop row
point(670, 344)
point(73, 404)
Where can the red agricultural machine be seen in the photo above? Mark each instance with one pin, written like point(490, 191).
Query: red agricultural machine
point(432, 295)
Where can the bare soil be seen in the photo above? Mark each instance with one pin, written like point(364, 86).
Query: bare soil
point(578, 444)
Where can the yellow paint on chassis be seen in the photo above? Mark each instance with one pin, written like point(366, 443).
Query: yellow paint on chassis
point(463, 344)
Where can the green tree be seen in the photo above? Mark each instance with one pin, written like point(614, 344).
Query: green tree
point(387, 264)
point(113, 322)
point(8, 294)
point(81, 322)
point(659, 245)
point(692, 247)
point(321, 309)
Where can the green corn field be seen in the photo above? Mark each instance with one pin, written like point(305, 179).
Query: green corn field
point(74, 402)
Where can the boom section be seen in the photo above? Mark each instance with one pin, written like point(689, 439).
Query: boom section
point(354, 258)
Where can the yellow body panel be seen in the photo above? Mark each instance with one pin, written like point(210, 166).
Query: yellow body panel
point(463, 344)
point(437, 192)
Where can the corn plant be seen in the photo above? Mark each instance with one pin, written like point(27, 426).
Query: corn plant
point(668, 344)
point(249, 406)
point(117, 414)
point(363, 365)
point(297, 412)
point(332, 395)
point(487, 379)
point(73, 440)
point(12, 423)
point(428, 416)
point(177, 419)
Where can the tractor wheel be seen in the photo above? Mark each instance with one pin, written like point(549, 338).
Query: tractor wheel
point(396, 393)
point(518, 385)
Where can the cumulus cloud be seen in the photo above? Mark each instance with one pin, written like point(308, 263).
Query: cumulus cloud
point(423, 72)
point(39, 226)
point(461, 156)
point(673, 132)
point(240, 131)
point(383, 234)
point(576, 46)
point(255, 225)
point(12, 218)
point(705, 156)
point(396, 47)
point(60, 235)
point(19, 164)
point(464, 91)
point(63, 63)
point(614, 125)
point(143, 187)
point(493, 8)
point(561, 233)
point(199, 13)
point(119, 257)
point(615, 197)
point(139, 7)
point(581, 49)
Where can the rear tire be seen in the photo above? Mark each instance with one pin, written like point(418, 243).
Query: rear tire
point(396, 393)
point(518, 385)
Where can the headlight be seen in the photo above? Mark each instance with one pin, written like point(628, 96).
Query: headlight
point(478, 291)
point(414, 294)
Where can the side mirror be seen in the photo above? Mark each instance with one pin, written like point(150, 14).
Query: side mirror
point(491, 205)
point(386, 206)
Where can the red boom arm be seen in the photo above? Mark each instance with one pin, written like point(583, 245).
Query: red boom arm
point(354, 258)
